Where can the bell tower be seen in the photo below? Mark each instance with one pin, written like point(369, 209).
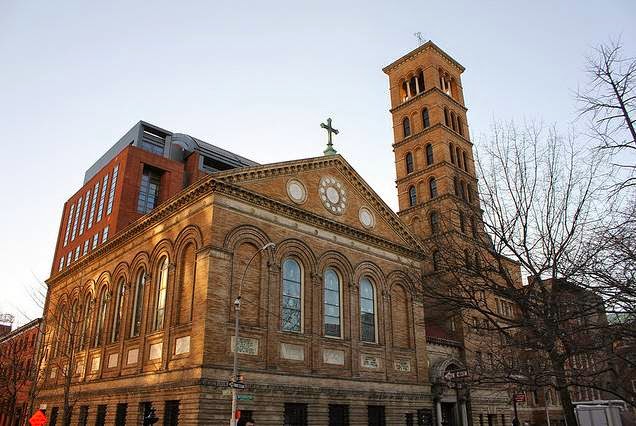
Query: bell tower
point(434, 165)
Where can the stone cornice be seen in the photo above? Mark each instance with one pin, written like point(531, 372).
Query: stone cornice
point(417, 135)
point(424, 93)
point(436, 166)
point(429, 45)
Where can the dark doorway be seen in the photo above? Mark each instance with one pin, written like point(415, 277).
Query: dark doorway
point(338, 415)
point(376, 415)
point(448, 414)
point(295, 415)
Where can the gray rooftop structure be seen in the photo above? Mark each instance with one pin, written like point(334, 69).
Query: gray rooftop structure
point(173, 146)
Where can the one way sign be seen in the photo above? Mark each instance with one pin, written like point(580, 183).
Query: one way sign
point(456, 374)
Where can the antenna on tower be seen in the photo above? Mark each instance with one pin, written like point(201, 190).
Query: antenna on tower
point(420, 38)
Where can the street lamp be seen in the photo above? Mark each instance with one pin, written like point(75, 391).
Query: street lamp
point(237, 309)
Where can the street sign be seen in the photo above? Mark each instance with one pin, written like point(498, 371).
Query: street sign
point(456, 374)
point(520, 397)
point(237, 385)
point(245, 397)
point(38, 419)
point(226, 392)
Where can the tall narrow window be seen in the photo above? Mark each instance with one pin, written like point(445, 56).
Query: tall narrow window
point(434, 222)
point(332, 304)
point(162, 287)
point(436, 260)
point(292, 296)
point(420, 81)
point(460, 127)
point(462, 223)
point(111, 194)
point(413, 86)
point(463, 190)
point(473, 227)
point(119, 306)
point(412, 196)
point(426, 121)
point(409, 162)
point(432, 186)
point(453, 121)
point(464, 160)
point(459, 157)
point(406, 127)
point(456, 185)
point(91, 216)
point(469, 193)
point(95, 240)
point(367, 311)
point(138, 303)
point(86, 322)
point(105, 234)
point(83, 221)
point(452, 153)
point(429, 154)
point(446, 117)
point(148, 190)
point(100, 210)
point(101, 317)
point(75, 222)
point(405, 92)
point(68, 224)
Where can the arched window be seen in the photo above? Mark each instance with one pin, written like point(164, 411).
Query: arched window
point(405, 93)
point(432, 186)
point(138, 303)
point(162, 287)
point(101, 317)
point(459, 157)
point(456, 185)
point(119, 306)
point(446, 118)
point(426, 121)
point(460, 127)
point(434, 222)
point(187, 270)
point(464, 160)
point(86, 321)
point(332, 312)
point(409, 162)
point(467, 259)
point(61, 333)
point(452, 152)
point(469, 193)
point(413, 86)
point(462, 223)
point(72, 327)
point(436, 260)
point(462, 190)
point(406, 127)
point(412, 196)
point(473, 227)
point(429, 154)
point(367, 311)
point(291, 314)
point(453, 121)
point(420, 82)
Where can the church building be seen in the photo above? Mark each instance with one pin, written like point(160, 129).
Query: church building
point(169, 231)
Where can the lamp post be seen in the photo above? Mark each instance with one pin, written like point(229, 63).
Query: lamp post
point(237, 309)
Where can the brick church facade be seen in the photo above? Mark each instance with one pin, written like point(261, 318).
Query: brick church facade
point(333, 328)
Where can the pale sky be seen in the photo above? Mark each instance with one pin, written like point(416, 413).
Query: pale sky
point(256, 78)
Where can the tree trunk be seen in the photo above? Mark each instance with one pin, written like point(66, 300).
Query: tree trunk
point(561, 385)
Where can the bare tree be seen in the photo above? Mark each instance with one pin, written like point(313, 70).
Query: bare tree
point(543, 200)
point(609, 101)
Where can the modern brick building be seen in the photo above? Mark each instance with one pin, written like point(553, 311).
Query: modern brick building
point(18, 350)
point(333, 330)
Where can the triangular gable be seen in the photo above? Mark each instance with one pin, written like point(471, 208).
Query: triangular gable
point(332, 189)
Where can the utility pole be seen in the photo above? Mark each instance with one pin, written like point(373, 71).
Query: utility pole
point(237, 310)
